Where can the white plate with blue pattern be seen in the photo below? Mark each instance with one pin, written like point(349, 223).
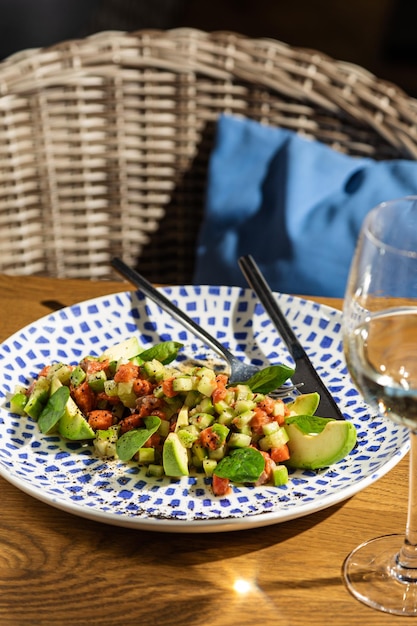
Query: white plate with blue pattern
point(70, 477)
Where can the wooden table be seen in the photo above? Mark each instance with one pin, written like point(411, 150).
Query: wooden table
point(56, 568)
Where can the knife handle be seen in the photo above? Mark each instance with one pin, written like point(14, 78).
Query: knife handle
point(258, 283)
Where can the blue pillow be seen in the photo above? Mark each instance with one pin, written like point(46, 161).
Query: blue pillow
point(295, 204)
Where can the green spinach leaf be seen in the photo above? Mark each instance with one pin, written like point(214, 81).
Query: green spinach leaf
point(54, 409)
point(269, 378)
point(243, 465)
point(164, 352)
point(309, 424)
point(129, 443)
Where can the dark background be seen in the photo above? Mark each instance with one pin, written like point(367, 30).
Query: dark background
point(376, 34)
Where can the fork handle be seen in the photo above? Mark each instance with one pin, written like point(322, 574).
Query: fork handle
point(159, 298)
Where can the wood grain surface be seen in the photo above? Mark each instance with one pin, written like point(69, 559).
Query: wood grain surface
point(56, 568)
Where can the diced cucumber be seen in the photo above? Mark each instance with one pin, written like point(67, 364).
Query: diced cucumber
point(279, 408)
point(157, 471)
point(242, 421)
point(209, 465)
point(188, 435)
point(154, 369)
point(183, 383)
point(218, 454)
point(270, 427)
point(206, 385)
point(158, 392)
point(192, 398)
point(164, 428)
point(274, 440)
point(146, 456)
point(241, 406)
point(206, 372)
point(173, 404)
point(18, 402)
point(77, 376)
point(202, 420)
point(239, 440)
point(222, 406)
point(126, 394)
point(221, 431)
point(280, 475)
point(243, 392)
point(110, 388)
point(226, 417)
point(96, 381)
point(198, 454)
point(55, 384)
point(61, 371)
point(105, 441)
point(205, 406)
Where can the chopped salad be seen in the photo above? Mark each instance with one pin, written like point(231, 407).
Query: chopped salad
point(134, 404)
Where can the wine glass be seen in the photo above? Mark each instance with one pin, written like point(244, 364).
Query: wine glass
point(380, 343)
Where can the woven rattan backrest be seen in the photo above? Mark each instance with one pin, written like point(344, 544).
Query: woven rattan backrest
point(104, 141)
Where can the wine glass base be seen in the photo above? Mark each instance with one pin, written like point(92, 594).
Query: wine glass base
point(372, 575)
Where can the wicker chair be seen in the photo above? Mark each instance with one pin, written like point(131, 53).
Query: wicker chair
point(104, 141)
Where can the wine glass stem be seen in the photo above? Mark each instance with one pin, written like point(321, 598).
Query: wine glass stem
point(407, 558)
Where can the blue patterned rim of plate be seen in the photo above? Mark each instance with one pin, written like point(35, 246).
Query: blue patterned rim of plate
point(69, 476)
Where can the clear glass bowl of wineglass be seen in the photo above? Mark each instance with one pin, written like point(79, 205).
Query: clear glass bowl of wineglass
point(380, 343)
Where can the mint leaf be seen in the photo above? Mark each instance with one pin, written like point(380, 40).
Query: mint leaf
point(244, 465)
point(164, 352)
point(269, 378)
point(309, 424)
point(54, 409)
point(129, 443)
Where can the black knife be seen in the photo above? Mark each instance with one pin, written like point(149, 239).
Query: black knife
point(305, 372)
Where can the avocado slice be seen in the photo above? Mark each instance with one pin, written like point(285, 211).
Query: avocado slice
point(174, 457)
point(73, 424)
point(125, 350)
point(38, 397)
point(304, 404)
point(317, 442)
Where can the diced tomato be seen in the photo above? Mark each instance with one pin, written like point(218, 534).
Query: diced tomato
point(44, 371)
point(91, 366)
point(210, 439)
point(259, 420)
point(267, 405)
point(221, 486)
point(281, 454)
point(167, 388)
point(126, 372)
point(153, 441)
point(142, 387)
point(280, 419)
point(149, 405)
point(220, 391)
point(130, 422)
point(113, 400)
point(84, 397)
point(100, 419)
point(267, 473)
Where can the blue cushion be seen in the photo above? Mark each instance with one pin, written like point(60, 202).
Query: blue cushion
point(295, 204)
